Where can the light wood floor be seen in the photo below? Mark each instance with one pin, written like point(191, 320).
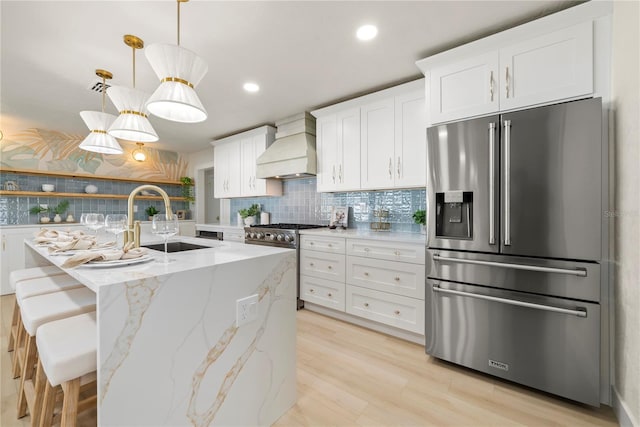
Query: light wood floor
point(350, 376)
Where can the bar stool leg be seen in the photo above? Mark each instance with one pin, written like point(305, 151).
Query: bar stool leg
point(48, 403)
point(16, 368)
point(71, 390)
point(27, 373)
point(41, 380)
point(15, 319)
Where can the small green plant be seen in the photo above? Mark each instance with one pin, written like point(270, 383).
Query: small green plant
point(187, 188)
point(151, 210)
point(39, 209)
point(253, 210)
point(61, 207)
point(420, 217)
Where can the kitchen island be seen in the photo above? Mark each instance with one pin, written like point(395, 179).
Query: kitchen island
point(170, 351)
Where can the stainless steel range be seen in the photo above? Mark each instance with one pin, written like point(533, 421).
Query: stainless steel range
point(280, 235)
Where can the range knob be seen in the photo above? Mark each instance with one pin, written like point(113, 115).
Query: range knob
point(288, 238)
point(247, 235)
point(260, 235)
point(280, 237)
point(272, 237)
point(253, 235)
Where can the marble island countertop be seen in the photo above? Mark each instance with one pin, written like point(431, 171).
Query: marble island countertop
point(217, 253)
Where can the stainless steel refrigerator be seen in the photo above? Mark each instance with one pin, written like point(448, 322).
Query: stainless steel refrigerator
point(515, 247)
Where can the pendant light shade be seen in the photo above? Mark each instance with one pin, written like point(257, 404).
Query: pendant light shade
point(132, 123)
point(98, 140)
point(179, 70)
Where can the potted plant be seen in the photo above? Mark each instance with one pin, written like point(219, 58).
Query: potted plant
point(249, 215)
point(60, 209)
point(187, 188)
point(151, 211)
point(420, 217)
point(41, 210)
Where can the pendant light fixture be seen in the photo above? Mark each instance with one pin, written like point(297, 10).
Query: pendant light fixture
point(98, 140)
point(132, 123)
point(138, 154)
point(179, 70)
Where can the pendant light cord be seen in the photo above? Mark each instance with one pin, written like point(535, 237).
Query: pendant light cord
point(104, 91)
point(134, 66)
point(178, 22)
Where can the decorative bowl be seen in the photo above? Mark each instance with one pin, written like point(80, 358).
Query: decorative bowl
point(91, 189)
point(48, 188)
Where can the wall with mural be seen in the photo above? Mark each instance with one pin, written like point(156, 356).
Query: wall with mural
point(48, 150)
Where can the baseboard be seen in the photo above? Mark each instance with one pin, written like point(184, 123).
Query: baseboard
point(365, 323)
point(625, 418)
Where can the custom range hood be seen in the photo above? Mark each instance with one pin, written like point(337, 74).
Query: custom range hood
point(293, 153)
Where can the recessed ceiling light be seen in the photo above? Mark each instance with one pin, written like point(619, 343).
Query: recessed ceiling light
point(251, 87)
point(367, 32)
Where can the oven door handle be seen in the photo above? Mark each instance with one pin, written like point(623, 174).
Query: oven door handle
point(580, 312)
point(577, 272)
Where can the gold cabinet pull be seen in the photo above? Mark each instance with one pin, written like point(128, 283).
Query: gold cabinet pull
point(491, 85)
point(390, 168)
point(506, 79)
point(398, 169)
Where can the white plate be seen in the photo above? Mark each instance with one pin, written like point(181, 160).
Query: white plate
point(77, 251)
point(117, 262)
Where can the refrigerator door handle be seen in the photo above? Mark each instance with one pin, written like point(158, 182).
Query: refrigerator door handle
point(580, 312)
point(492, 183)
point(577, 272)
point(507, 182)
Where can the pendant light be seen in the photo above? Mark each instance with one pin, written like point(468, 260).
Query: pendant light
point(98, 140)
point(179, 70)
point(132, 123)
point(138, 154)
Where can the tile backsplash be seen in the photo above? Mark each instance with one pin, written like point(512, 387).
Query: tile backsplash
point(301, 203)
point(14, 210)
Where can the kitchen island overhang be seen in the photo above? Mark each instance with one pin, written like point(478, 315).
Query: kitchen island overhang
point(170, 351)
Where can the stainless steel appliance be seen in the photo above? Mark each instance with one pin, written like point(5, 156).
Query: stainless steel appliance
point(515, 247)
point(280, 235)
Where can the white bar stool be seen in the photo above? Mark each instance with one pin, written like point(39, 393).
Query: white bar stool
point(18, 276)
point(31, 288)
point(35, 312)
point(68, 351)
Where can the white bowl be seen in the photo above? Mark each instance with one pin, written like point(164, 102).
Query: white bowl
point(48, 187)
point(91, 189)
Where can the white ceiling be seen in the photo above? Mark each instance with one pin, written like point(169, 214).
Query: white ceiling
point(302, 53)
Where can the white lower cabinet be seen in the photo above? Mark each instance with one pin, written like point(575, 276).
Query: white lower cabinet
point(388, 276)
point(377, 280)
point(394, 310)
point(322, 292)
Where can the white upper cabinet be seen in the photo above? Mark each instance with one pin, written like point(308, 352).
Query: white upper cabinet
point(555, 66)
point(464, 89)
point(475, 80)
point(235, 165)
point(373, 142)
point(377, 121)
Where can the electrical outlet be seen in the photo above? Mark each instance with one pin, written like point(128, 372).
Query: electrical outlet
point(135, 208)
point(246, 310)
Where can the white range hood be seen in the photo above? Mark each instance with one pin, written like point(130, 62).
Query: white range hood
point(293, 153)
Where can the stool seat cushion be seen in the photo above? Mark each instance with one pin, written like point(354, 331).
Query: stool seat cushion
point(36, 311)
point(32, 273)
point(67, 347)
point(44, 285)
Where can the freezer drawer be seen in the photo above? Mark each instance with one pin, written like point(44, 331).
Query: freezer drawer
point(566, 279)
point(550, 344)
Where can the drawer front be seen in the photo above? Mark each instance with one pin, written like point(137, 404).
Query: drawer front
point(322, 292)
point(405, 252)
point(322, 265)
point(394, 310)
point(323, 244)
point(399, 278)
point(233, 237)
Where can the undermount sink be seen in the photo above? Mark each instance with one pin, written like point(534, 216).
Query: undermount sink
point(175, 247)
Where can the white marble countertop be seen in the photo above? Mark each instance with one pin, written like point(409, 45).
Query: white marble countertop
point(219, 227)
point(218, 253)
point(353, 233)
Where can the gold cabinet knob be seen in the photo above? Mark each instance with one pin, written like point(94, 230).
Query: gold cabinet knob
point(366, 304)
point(366, 273)
point(329, 294)
point(397, 253)
point(329, 267)
point(330, 245)
point(366, 249)
point(311, 243)
point(311, 264)
point(397, 312)
point(397, 279)
point(311, 290)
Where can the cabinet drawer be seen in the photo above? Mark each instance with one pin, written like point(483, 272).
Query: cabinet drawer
point(405, 252)
point(322, 265)
point(389, 276)
point(323, 244)
point(394, 310)
point(322, 292)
